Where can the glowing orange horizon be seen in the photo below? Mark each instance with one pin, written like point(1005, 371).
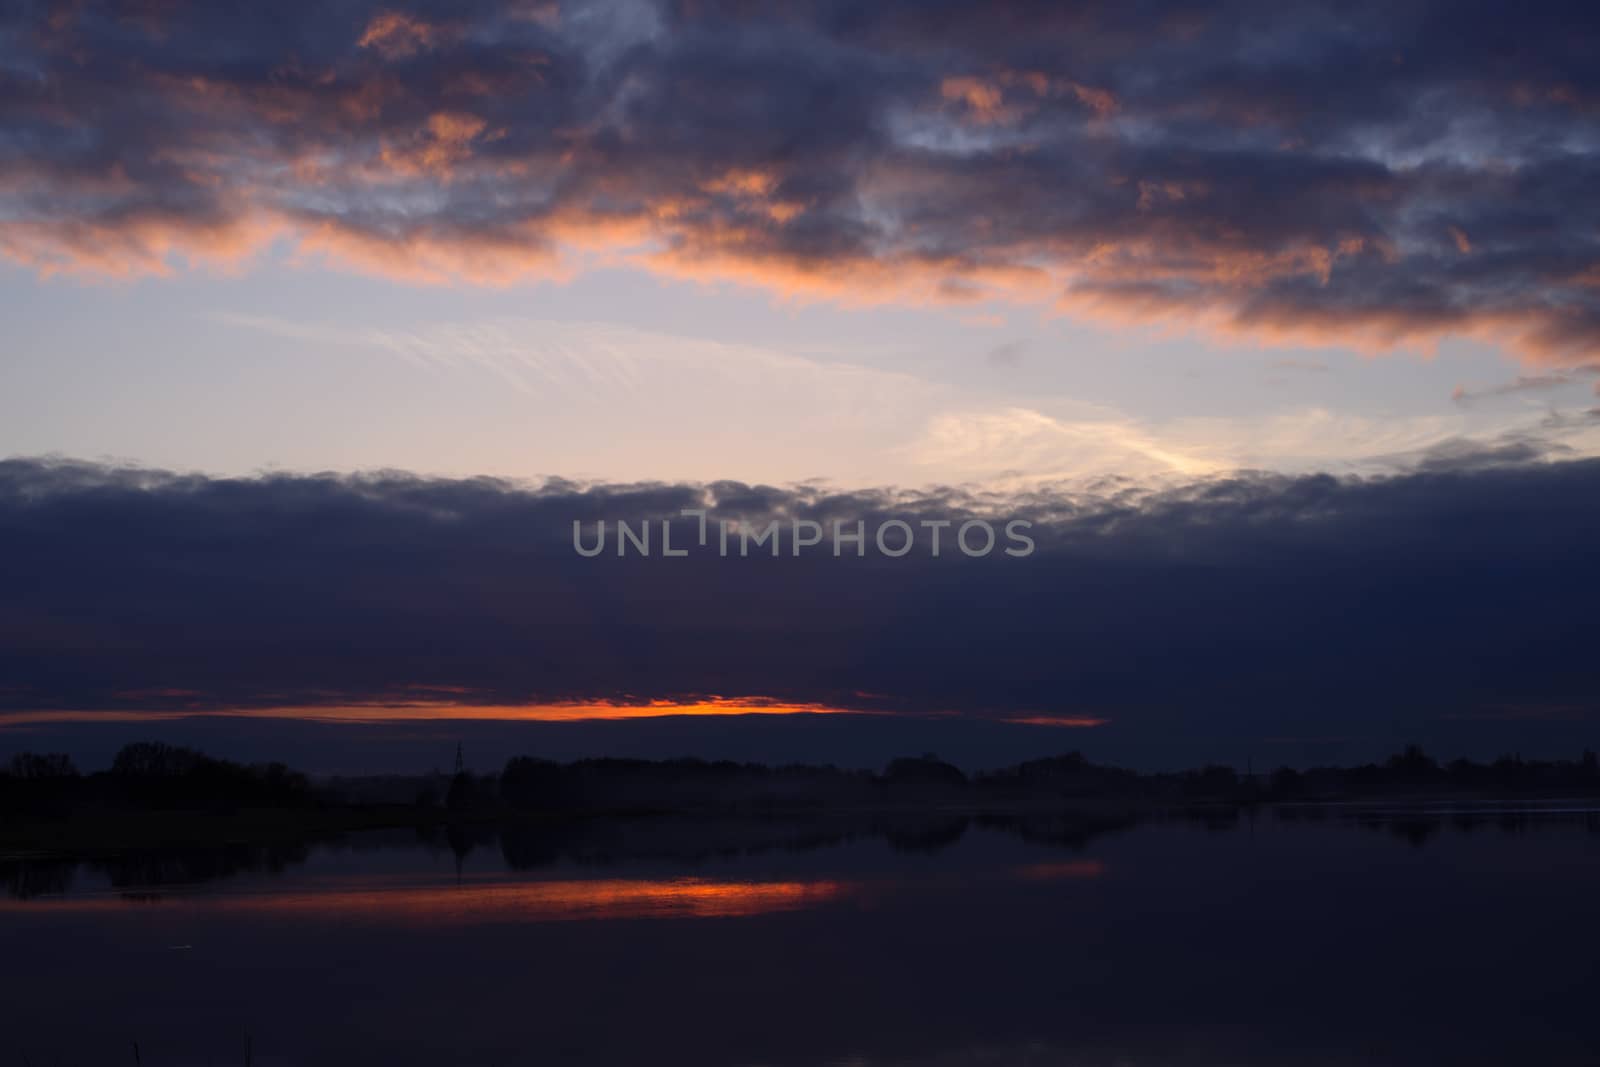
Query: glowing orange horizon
point(1081, 722)
point(418, 710)
point(423, 710)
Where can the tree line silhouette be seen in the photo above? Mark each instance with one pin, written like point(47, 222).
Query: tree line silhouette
point(150, 777)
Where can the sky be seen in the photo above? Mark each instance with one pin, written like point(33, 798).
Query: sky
point(1280, 322)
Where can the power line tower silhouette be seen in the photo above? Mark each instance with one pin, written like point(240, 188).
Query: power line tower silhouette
point(461, 764)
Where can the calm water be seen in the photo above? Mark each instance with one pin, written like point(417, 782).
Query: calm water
point(1404, 939)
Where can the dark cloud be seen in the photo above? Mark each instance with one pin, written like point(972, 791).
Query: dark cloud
point(1250, 607)
point(1362, 173)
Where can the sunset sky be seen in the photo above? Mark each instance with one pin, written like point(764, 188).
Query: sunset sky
point(1145, 274)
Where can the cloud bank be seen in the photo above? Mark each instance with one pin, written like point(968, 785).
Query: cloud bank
point(1246, 607)
point(1366, 174)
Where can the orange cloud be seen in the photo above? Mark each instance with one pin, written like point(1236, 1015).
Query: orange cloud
point(1101, 101)
point(396, 35)
point(425, 706)
point(983, 100)
point(431, 709)
point(986, 102)
point(1075, 722)
point(135, 246)
point(1081, 187)
point(442, 142)
point(434, 255)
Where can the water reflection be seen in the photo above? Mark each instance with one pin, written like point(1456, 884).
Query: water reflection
point(179, 878)
point(1328, 937)
point(146, 874)
point(370, 900)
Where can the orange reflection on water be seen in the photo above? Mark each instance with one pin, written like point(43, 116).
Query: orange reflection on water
point(1067, 869)
point(469, 903)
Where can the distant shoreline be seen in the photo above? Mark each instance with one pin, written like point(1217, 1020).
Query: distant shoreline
point(88, 834)
point(156, 795)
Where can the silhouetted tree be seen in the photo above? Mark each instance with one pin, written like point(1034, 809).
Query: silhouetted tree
point(1286, 782)
point(154, 774)
point(42, 766)
point(926, 769)
point(1412, 766)
point(532, 784)
point(1212, 782)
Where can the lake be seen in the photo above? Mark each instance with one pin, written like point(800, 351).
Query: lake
point(1319, 937)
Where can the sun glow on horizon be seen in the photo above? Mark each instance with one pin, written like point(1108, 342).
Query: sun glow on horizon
point(431, 709)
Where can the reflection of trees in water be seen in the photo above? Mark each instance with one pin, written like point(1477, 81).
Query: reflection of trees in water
point(528, 845)
point(26, 879)
point(136, 872)
point(1069, 830)
point(147, 869)
point(1216, 819)
point(694, 842)
point(532, 844)
point(686, 842)
point(1417, 829)
point(927, 838)
point(460, 839)
point(1414, 831)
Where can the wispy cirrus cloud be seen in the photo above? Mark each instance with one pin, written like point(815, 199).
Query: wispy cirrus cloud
point(789, 414)
point(1373, 176)
point(1524, 384)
